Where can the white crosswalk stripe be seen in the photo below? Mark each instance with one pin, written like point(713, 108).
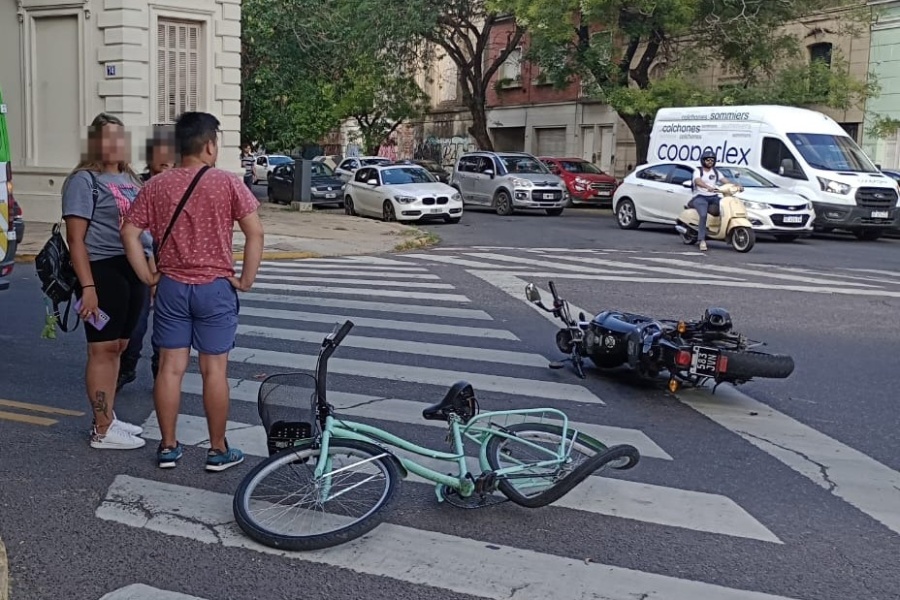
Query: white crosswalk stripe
point(385, 350)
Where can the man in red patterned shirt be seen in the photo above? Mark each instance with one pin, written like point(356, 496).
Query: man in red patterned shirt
point(196, 300)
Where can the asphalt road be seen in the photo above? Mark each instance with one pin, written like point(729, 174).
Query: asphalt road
point(708, 505)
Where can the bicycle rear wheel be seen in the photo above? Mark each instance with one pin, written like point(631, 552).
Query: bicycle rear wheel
point(542, 485)
point(280, 503)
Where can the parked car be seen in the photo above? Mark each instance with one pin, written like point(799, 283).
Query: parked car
point(349, 165)
point(439, 172)
point(401, 193)
point(266, 163)
point(586, 183)
point(507, 181)
point(327, 188)
point(656, 194)
point(8, 206)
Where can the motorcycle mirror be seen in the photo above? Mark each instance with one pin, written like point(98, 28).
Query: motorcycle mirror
point(532, 293)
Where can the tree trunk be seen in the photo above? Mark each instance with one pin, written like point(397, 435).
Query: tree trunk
point(640, 127)
point(479, 130)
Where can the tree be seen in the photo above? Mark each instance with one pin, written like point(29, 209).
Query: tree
point(614, 45)
point(312, 63)
point(465, 31)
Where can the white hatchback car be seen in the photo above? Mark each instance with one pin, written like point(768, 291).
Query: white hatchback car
point(656, 194)
point(401, 193)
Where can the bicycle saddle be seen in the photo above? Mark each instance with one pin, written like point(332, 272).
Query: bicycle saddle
point(459, 400)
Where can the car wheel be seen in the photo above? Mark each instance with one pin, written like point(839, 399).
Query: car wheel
point(348, 206)
point(503, 203)
point(270, 194)
point(626, 215)
point(387, 212)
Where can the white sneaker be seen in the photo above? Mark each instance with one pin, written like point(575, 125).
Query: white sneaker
point(116, 439)
point(127, 427)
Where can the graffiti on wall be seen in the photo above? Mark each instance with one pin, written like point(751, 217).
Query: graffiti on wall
point(443, 151)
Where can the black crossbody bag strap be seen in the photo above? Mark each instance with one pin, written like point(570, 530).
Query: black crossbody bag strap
point(187, 194)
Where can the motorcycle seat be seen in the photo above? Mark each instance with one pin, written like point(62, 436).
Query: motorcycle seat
point(459, 400)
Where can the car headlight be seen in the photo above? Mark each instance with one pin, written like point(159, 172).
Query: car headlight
point(522, 183)
point(833, 187)
point(405, 199)
point(809, 206)
point(755, 205)
point(456, 197)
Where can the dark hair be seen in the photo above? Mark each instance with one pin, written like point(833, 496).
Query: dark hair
point(193, 130)
point(162, 137)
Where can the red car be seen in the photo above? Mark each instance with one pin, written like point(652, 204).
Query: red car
point(586, 183)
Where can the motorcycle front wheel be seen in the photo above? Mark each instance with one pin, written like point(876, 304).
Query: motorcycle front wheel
point(743, 239)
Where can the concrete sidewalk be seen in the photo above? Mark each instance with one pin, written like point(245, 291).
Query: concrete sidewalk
point(291, 234)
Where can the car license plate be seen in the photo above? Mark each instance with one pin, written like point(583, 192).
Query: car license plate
point(793, 219)
point(705, 361)
point(435, 211)
point(880, 214)
point(548, 196)
point(607, 193)
point(331, 195)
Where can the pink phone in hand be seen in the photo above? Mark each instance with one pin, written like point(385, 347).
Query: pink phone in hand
point(98, 322)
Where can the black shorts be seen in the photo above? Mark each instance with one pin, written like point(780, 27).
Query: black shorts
point(120, 294)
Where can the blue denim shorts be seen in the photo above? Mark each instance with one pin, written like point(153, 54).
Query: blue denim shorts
point(204, 316)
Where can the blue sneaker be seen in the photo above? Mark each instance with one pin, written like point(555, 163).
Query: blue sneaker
point(167, 457)
point(217, 460)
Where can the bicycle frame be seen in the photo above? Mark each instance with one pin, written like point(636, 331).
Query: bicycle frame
point(465, 486)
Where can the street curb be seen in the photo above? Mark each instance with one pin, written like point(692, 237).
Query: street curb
point(4, 573)
point(29, 258)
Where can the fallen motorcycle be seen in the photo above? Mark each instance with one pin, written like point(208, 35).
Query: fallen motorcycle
point(691, 352)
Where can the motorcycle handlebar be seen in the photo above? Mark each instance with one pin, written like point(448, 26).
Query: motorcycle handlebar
point(553, 291)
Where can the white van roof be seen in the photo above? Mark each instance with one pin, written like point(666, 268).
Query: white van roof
point(789, 119)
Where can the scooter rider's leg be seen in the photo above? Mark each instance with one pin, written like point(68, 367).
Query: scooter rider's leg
point(701, 205)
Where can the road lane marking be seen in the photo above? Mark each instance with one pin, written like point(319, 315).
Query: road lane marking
point(466, 566)
point(30, 419)
point(350, 291)
point(139, 591)
point(41, 408)
point(361, 282)
point(376, 306)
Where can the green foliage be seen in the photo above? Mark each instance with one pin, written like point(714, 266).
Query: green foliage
point(883, 127)
point(612, 45)
point(309, 64)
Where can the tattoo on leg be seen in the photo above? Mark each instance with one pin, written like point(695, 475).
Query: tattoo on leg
point(101, 406)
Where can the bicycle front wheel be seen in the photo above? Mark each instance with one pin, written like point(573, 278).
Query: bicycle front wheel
point(533, 485)
point(281, 504)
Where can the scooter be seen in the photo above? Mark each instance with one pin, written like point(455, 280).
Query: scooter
point(730, 225)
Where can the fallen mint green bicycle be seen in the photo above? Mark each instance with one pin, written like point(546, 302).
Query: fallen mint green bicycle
point(328, 480)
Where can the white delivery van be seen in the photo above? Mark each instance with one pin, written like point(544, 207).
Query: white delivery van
point(801, 150)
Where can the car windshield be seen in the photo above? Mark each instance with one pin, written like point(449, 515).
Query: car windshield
point(320, 169)
point(580, 166)
point(745, 178)
point(831, 152)
point(280, 160)
point(523, 164)
point(406, 175)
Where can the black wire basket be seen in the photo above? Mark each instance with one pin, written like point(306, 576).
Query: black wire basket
point(285, 402)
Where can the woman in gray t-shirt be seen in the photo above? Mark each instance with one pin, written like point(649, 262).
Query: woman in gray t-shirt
point(95, 199)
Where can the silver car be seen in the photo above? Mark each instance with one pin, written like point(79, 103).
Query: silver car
point(507, 181)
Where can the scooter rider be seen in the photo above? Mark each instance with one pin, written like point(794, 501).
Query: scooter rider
point(707, 179)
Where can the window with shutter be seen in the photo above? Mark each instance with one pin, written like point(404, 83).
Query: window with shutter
point(179, 68)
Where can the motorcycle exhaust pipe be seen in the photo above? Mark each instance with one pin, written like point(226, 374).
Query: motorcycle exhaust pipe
point(681, 229)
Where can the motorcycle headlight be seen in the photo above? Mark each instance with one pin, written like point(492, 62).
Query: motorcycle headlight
point(405, 199)
point(522, 183)
point(833, 187)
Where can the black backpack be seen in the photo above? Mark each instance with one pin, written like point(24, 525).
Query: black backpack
point(54, 268)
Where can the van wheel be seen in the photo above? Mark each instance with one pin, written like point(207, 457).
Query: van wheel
point(503, 203)
point(626, 216)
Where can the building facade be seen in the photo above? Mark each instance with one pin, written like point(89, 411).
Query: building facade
point(884, 63)
point(64, 61)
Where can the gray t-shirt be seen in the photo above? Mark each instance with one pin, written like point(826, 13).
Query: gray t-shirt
point(116, 193)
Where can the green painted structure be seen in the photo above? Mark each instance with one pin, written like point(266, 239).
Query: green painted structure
point(884, 63)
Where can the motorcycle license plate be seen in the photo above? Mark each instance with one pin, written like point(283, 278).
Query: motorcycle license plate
point(793, 219)
point(880, 214)
point(705, 361)
point(548, 196)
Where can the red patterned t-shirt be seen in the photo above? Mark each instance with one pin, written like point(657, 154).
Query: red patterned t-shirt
point(199, 249)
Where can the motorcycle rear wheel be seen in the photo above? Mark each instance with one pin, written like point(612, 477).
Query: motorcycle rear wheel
point(745, 365)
